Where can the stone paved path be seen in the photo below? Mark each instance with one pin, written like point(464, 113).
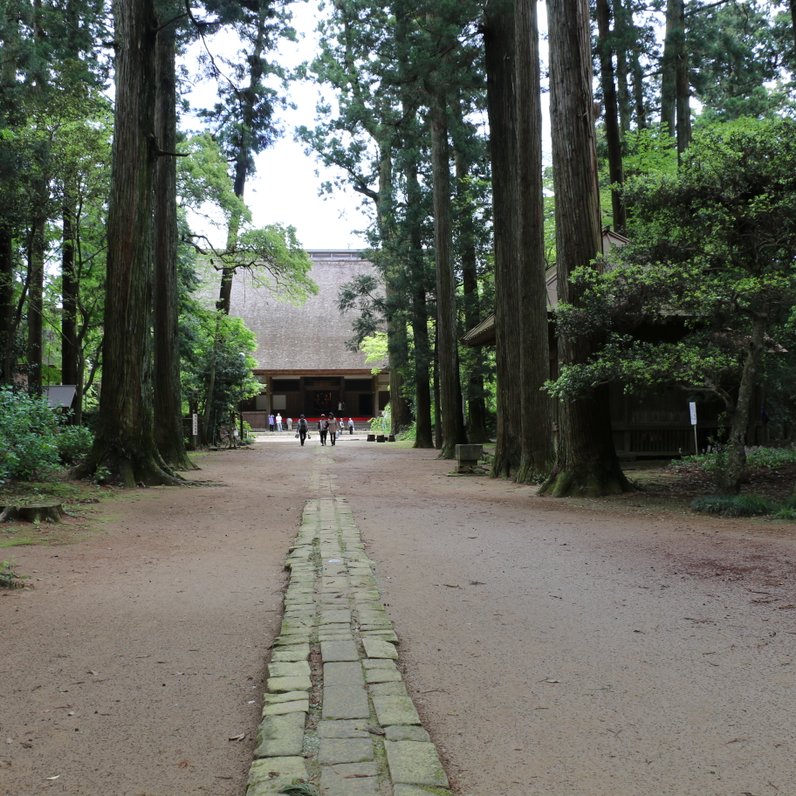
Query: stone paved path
point(337, 717)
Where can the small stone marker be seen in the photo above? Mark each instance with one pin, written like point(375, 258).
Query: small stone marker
point(467, 457)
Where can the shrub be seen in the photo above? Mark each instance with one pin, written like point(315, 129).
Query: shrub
point(74, 443)
point(770, 458)
point(732, 505)
point(712, 463)
point(27, 436)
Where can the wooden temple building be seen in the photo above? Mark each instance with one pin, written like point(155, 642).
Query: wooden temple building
point(653, 425)
point(302, 357)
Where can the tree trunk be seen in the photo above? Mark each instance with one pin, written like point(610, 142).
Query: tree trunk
point(613, 135)
point(638, 89)
point(124, 442)
point(447, 352)
point(586, 461)
point(36, 287)
point(499, 46)
point(7, 331)
point(793, 25)
point(69, 293)
point(536, 457)
point(414, 255)
point(622, 31)
point(733, 475)
point(671, 49)
point(167, 395)
point(466, 239)
point(417, 278)
point(682, 85)
point(243, 156)
point(397, 341)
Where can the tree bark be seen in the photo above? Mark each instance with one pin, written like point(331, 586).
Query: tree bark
point(417, 277)
point(735, 471)
point(6, 303)
point(243, 155)
point(682, 85)
point(69, 292)
point(124, 442)
point(586, 461)
point(536, 456)
point(671, 48)
point(622, 31)
point(36, 286)
point(466, 241)
point(397, 342)
point(499, 47)
point(792, 4)
point(167, 396)
point(613, 136)
point(453, 431)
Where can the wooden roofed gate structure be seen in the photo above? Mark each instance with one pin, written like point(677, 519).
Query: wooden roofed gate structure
point(650, 426)
point(303, 361)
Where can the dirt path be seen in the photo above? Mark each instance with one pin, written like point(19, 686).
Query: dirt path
point(551, 648)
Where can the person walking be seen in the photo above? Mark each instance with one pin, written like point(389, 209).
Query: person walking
point(332, 425)
point(350, 425)
point(278, 421)
point(323, 428)
point(271, 421)
point(302, 428)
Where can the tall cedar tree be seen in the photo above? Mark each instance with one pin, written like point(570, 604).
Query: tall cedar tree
point(536, 442)
point(613, 135)
point(124, 441)
point(167, 397)
point(500, 55)
point(416, 270)
point(466, 229)
point(586, 461)
point(453, 431)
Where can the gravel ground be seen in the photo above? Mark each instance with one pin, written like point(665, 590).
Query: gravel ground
point(551, 646)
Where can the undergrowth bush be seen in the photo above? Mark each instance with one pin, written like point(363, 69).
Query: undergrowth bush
point(27, 436)
point(733, 505)
point(32, 444)
point(756, 458)
point(74, 443)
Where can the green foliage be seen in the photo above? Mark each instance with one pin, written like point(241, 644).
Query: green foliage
point(761, 458)
point(277, 261)
point(381, 424)
point(203, 177)
point(375, 350)
point(9, 577)
point(74, 443)
point(214, 336)
point(28, 430)
point(711, 255)
point(732, 505)
point(735, 60)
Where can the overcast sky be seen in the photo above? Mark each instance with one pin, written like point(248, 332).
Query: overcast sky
point(285, 187)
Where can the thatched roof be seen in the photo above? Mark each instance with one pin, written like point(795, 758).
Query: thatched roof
point(309, 337)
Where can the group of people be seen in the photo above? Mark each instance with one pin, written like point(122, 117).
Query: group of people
point(275, 422)
point(328, 428)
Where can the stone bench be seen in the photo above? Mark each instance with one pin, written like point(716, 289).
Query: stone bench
point(467, 457)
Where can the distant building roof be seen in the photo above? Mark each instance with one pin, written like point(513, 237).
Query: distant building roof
point(60, 396)
point(309, 337)
point(484, 332)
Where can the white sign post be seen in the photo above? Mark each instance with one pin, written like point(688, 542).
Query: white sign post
point(194, 427)
point(692, 411)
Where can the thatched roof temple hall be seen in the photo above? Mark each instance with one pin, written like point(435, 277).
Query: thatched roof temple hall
point(302, 358)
